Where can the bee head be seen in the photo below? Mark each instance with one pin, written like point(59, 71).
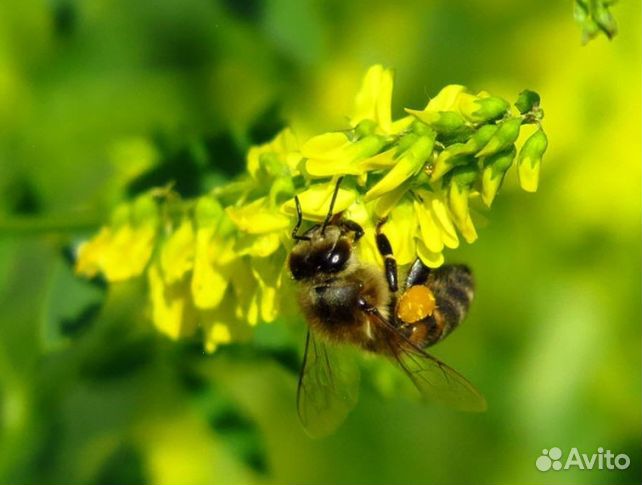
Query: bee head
point(325, 251)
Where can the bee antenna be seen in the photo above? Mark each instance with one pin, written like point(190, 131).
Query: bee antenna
point(332, 201)
point(299, 221)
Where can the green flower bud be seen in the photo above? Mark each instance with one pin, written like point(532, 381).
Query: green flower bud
point(447, 123)
point(365, 127)
point(145, 211)
point(409, 164)
point(505, 136)
point(481, 137)
point(605, 20)
point(208, 211)
point(454, 155)
point(406, 142)
point(481, 110)
point(459, 183)
point(529, 160)
point(495, 168)
point(526, 101)
point(333, 154)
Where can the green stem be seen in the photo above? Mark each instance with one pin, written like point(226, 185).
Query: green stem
point(47, 224)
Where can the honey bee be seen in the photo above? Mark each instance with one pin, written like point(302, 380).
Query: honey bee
point(346, 301)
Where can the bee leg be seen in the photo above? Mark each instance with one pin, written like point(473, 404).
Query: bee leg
point(383, 244)
point(354, 227)
point(418, 274)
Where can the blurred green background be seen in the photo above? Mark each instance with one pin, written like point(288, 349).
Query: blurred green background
point(101, 99)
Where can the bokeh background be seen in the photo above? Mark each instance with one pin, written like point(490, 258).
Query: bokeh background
point(101, 99)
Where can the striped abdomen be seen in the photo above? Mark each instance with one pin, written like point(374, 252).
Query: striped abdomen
point(450, 288)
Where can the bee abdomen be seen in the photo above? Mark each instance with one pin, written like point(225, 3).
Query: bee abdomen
point(452, 286)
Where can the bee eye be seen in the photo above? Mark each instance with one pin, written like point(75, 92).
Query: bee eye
point(299, 267)
point(336, 259)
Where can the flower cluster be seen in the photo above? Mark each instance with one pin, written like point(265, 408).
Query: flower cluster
point(217, 263)
point(595, 17)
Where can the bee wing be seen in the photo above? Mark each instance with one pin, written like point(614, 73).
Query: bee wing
point(437, 381)
point(433, 378)
point(328, 387)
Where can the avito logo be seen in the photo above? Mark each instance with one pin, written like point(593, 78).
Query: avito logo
point(552, 459)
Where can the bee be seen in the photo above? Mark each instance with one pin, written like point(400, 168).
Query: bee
point(346, 301)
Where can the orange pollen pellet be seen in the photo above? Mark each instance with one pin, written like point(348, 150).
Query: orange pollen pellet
point(415, 304)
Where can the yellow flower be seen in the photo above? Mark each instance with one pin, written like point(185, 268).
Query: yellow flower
point(374, 99)
point(257, 217)
point(122, 250)
point(221, 326)
point(221, 261)
point(315, 202)
point(177, 254)
point(173, 313)
point(410, 163)
point(436, 227)
point(334, 154)
point(212, 254)
point(530, 159)
point(281, 152)
point(400, 227)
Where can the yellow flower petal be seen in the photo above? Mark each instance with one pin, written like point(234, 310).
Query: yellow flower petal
point(447, 99)
point(172, 312)
point(220, 326)
point(467, 230)
point(260, 246)
point(389, 200)
point(268, 273)
point(246, 290)
point(373, 102)
point(177, 253)
point(429, 230)
point(209, 282)
point(443, 220)
point(329, 154)
point(382, 160)
point(90, 253)
point(528, 176)
point(458, 202)
point(122, 251)
point(430, 258)
point(315, 202)
point(401, 228)
point(409, 164)
point(257, 218)
point(286, 148)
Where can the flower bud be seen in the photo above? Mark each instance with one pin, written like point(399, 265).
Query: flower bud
point(409, 164)
point(478, 109)
point(208, 211)
point(333, 154)
point(529, 160)
point(448, 123)
point(454, 156)
point(505, 136)
point(526, 101)
point(145, 211)
point(446, 99)
point(605, 20)
point(495, 168)
point(459, 184)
